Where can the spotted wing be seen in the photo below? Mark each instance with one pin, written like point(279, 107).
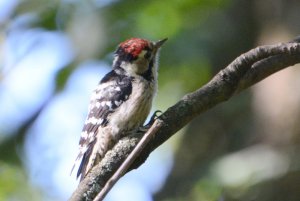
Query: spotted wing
point(112, 91)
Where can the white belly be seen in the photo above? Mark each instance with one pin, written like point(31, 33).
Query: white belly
point(133, 112)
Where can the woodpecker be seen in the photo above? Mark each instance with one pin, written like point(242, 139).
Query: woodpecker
point(121, 102)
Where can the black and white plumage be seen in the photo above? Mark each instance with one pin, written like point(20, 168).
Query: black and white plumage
point(121, 102)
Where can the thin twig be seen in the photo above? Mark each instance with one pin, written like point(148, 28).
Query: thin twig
point(129, 160)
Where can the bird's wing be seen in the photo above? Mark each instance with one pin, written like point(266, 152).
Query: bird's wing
point(111, 92)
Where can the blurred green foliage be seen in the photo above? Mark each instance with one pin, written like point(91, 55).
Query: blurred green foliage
point(14, 184)
point(204, 36)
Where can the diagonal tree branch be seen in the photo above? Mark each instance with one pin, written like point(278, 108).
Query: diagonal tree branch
point(129, 160)
point(243, 72)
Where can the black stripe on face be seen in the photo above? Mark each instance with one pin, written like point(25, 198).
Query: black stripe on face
point(148, 74)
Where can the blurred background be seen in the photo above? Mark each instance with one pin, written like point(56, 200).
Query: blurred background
point(53, 53)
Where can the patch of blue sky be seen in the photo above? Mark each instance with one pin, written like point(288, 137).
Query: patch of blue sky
point(52, 143)
point(6, 9)
point(32, 58)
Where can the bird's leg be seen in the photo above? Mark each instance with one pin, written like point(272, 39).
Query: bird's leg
point(153, 118)
point(144, 129)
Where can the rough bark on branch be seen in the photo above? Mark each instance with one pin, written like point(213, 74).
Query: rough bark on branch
point(243, 72)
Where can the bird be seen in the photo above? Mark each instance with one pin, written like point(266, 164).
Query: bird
point(121, 101)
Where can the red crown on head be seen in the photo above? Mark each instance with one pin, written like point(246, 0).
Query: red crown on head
point(134, 46)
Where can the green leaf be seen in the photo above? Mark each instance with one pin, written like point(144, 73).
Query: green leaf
point(159, 19)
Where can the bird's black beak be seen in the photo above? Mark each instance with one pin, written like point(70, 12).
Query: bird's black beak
point(159, 43)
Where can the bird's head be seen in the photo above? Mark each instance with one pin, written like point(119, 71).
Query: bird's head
point(137, 56)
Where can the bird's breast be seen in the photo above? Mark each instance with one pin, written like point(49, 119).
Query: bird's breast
point(133, 112)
